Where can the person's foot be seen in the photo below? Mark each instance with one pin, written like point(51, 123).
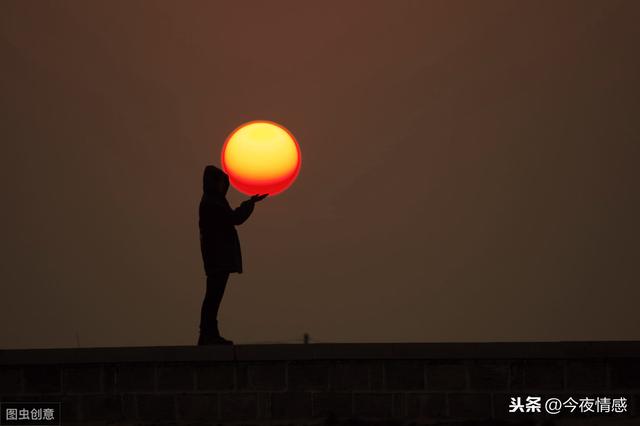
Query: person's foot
point(211, 336)
point(222, 341)
point(213, 340)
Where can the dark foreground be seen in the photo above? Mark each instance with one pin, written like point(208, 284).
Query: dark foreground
point(330, 384)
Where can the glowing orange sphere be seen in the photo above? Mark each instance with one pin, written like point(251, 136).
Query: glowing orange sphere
point(261, 157)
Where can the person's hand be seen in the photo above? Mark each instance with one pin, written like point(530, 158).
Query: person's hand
point(258, 197)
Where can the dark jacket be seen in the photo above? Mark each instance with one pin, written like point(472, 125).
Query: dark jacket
point(219, 241)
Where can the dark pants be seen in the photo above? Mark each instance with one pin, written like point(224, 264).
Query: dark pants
point(216, 284)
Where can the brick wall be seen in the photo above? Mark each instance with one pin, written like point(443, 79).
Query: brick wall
point(359, 384)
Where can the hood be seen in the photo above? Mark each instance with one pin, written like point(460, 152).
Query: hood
point(211, 178)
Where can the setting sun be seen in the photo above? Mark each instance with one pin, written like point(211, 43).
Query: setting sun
point(261, 157)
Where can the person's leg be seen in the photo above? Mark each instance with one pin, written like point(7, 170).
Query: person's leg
point(216, 284)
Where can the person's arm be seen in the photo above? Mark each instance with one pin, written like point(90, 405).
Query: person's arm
point(241, 213)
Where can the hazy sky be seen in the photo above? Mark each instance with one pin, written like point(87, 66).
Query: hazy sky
point(469, 169)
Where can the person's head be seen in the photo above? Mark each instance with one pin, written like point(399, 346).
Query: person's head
point(215, 181)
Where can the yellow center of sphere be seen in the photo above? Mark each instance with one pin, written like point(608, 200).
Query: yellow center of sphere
point(260, 151)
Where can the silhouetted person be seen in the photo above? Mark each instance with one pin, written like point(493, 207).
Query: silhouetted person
point(220, 247)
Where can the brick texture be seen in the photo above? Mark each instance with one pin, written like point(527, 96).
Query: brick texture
point(291, 405)
point(445, 375)
point(82, 379)
point(215, 376)
point(42, 379)
point(308, 376)
point(175, 377)
point(363, 391)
